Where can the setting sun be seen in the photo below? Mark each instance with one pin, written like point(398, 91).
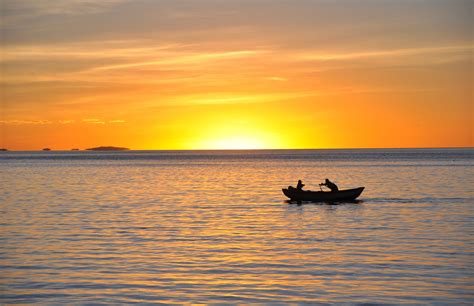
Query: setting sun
point(234, 143)
point(233, 136)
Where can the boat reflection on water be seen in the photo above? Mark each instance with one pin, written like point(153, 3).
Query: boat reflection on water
point(299, 202)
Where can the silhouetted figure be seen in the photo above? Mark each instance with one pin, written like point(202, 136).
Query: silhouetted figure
point(329, 185)
point(300, 185)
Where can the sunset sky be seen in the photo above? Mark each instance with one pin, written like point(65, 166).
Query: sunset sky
point(225, 74)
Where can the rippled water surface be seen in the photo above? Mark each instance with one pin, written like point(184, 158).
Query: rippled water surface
point(214, 227)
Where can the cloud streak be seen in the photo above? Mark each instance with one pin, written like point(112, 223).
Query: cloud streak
point(385, 53)
point(26, 122)
point(62, 122)
point(19, 10)
point(99, 121)
point(145, 62)
point(198, 58)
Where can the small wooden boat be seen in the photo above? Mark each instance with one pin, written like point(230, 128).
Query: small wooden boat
point(323, 196)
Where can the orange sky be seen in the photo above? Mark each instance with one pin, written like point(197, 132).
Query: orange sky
point(211, 74)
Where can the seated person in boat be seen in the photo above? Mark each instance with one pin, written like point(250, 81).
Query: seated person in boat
point(330, 185)
point(300, 185)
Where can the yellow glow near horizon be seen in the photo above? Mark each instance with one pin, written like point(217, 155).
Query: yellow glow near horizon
point(234, 143)
point(233, 137)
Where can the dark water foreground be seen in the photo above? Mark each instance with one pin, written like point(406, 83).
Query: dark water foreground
point(213, 227)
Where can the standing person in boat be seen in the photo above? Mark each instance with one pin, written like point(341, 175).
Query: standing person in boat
point(330, 185)
point(300, 185)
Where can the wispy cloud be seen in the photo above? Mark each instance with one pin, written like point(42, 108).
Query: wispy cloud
point(99, 121)
point(115, 61)
point(68, 121)
point(16, 10)
point(274, 78)
point(26, 122)
point(177, 59)
point(315, 56)
point(147, 62)
point(93, 121)
point(88, 50)
point(239, 98)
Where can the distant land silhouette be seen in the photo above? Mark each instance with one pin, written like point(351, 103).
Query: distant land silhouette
point(108, 149)
point(75, 149)
point(1, 149)
point(46, 149)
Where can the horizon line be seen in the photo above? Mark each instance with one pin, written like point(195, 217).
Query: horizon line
point(229, 150)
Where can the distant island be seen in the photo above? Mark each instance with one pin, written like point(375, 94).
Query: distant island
point(108, 149)
point(1, 149)
point(46, 149)
point(75, 149)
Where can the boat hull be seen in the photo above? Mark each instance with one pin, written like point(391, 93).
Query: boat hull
point(323, 196)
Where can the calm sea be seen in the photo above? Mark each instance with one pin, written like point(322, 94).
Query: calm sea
point(213, 227)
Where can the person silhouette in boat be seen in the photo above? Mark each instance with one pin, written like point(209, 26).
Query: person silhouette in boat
point(300, 185)
point(330, 185)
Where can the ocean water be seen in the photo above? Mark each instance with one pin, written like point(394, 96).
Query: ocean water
point(155, 227)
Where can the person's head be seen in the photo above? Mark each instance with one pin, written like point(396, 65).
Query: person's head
point(327, 180)
point(299, 181)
